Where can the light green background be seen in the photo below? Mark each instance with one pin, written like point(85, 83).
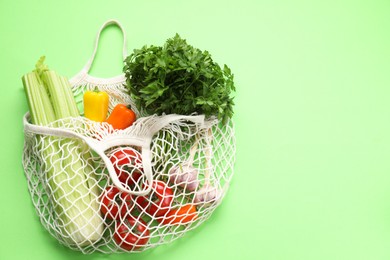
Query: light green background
point(312, 117)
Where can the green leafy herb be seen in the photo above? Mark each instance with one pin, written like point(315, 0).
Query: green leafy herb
point(179, 79)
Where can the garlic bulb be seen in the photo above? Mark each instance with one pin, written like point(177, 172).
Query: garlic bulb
point(184, 175)
point(208, 194)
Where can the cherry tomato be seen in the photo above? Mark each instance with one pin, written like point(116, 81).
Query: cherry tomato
point(127, 163)
point(182, 215)
point(115, 203)
point(131, 234)
point(158, 201)
point(109, 205)
point(127, 204)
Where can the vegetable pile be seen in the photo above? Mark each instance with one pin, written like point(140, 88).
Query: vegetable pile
point(175, 78)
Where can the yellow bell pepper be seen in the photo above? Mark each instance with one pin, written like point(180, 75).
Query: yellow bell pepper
point(96, 105)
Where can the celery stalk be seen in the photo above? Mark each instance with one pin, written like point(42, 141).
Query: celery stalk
point(75, 193)
point(69, 96)
point(75, 112)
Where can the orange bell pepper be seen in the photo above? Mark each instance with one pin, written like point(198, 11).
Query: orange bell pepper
point(96, 105)
point(121, 117)
point(182, 215)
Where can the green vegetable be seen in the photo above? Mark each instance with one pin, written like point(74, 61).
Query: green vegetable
point(178, 78)
point(69, 177)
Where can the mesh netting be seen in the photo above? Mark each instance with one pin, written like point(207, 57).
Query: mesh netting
point(99, 189)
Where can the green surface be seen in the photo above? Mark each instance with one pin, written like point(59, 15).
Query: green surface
point(312, 119)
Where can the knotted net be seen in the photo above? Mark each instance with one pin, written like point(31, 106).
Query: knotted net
point(99, 189)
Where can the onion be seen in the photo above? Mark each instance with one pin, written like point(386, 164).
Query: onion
point(185, 174)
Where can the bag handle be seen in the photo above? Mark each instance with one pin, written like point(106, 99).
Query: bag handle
point(100, 149)
point(88, 66)
point(144, 141)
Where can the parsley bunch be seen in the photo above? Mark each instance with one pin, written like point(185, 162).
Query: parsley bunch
point(179, 79)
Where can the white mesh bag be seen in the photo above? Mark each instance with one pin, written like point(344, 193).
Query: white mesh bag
point(99, 189)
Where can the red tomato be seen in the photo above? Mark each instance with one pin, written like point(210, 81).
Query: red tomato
point(109, 205)
point(115, 203)
point(158, 201)
point(127, 204)
point(131, 234)
point(127, 163)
